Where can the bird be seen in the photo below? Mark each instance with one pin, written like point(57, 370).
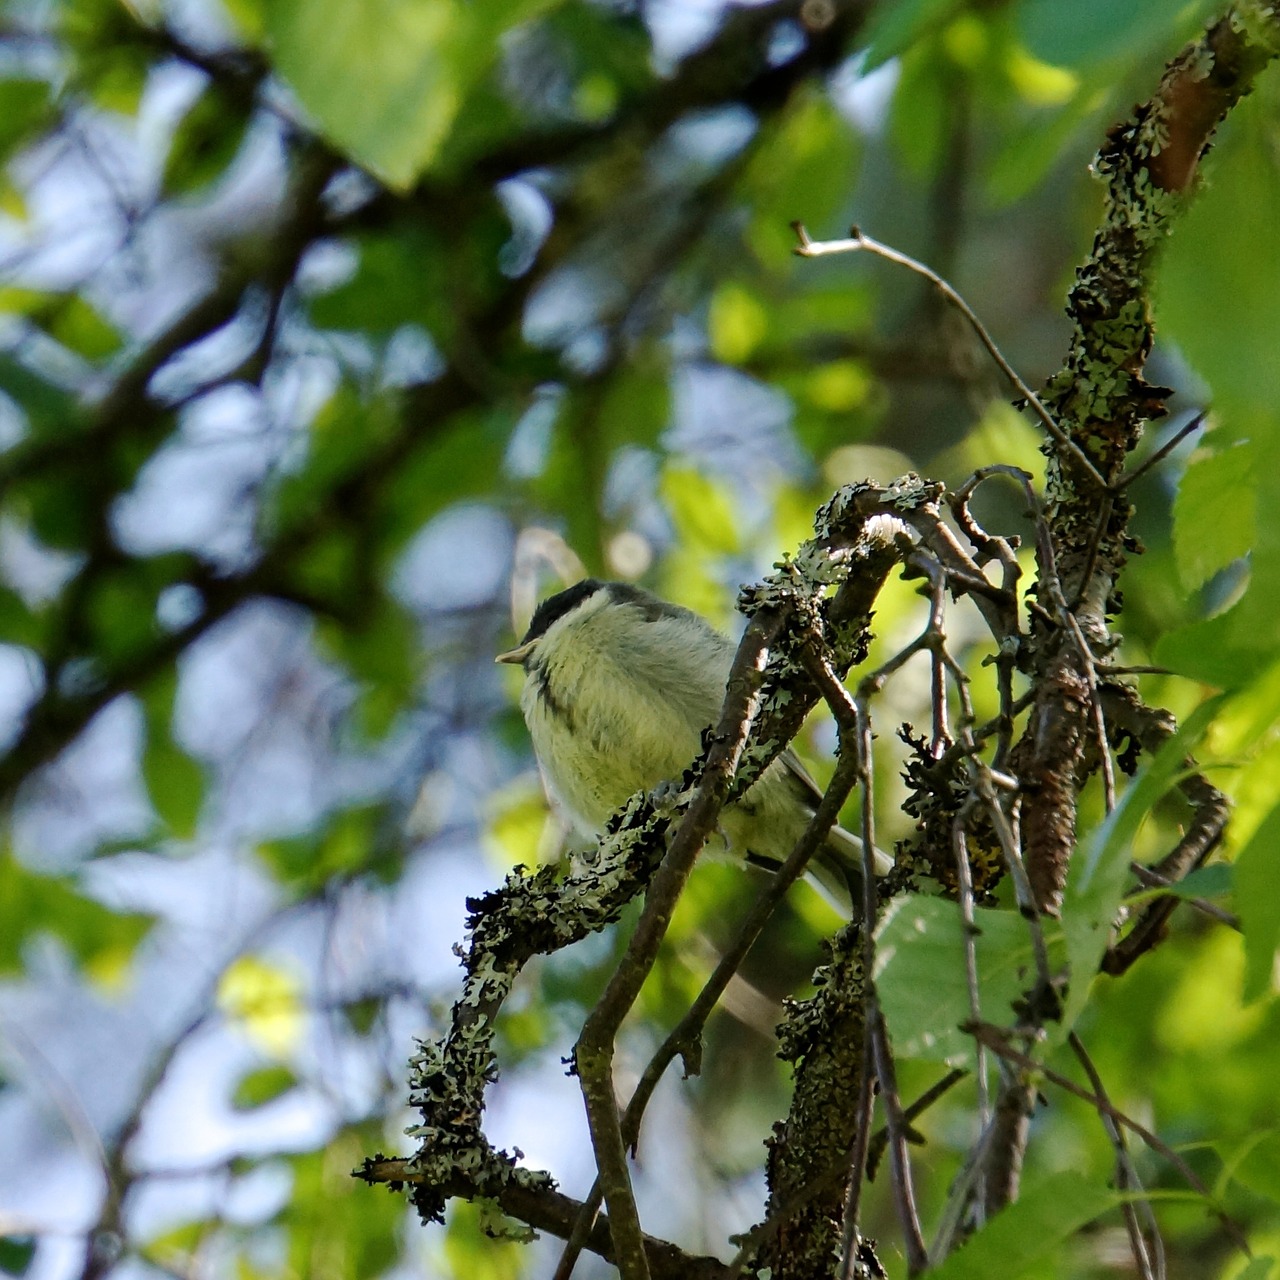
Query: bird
point(619, 687)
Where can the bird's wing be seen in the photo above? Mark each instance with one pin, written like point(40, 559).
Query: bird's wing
point(807, 786)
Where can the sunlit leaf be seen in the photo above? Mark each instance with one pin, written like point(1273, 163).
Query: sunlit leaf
point(514, 832)
point(736, 323)
point(385, 79)
point(264, 1001)
point(701, 510)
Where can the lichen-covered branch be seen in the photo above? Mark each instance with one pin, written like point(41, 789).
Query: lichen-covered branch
point(545, 1209)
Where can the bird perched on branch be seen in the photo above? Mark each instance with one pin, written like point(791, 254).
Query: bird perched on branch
point(619, 687)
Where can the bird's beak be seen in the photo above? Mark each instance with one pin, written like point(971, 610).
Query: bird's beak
point(517, 655)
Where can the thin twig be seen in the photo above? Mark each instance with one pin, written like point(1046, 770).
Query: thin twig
point(899, 1156)
point(1149, 1256)
point(1128, 477)
point(964, 878)
point(593, 1054)
point(1154, 880)
point(689, 1028)
point(808, 248)
point(997, 1039)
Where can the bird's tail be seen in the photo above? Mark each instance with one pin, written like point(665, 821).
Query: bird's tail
point(837, 867)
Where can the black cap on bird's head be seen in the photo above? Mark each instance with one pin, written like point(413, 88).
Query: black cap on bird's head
point(551, 610)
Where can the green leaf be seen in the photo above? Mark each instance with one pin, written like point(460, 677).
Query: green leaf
point(16, 1254)
point(1258, 1269)
point(1099, 870)
point(122, 612)
point(1205, 882)
point(921, 980)
point(1255, 1163)
point(102, 940)
point(205, 142)
point(895, 27)
point(1257, 900)
point(1214, 513)
point(351, 841)
point(18, 624)
point(387, 79)
point(401, 279)
point(332, 1232)
point(175, 781)
point(25, 106)
point(1225, 261)
point(921, 109)
point(261, 1086)
point(1101, 31)
point(110, 61)
point(264, 1000)
point(1023, 1238)
point(82, 328)
point(382, 652)
point(1239, 645)
point(802, 167)
point(377, 76)
point(701, 510)
point(736, 323)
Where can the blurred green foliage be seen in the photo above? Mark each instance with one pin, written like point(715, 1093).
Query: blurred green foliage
point(527, 268)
